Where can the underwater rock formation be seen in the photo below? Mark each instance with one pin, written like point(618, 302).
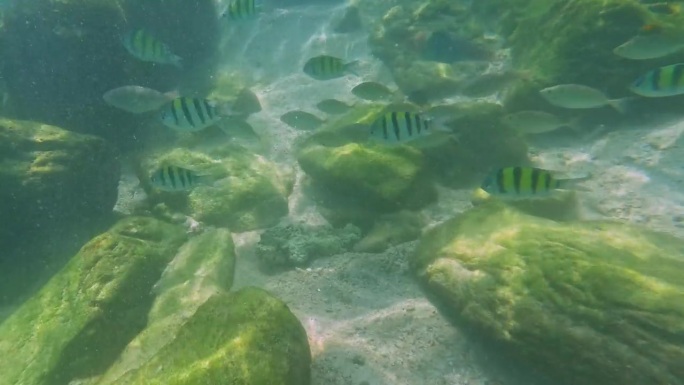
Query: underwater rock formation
point(246, 192)
point(51, 179)
point(245, 337)
point(431, 49)
point(584, 302)
point(549, 40)
point(289, 245)
point(80, 57)
point(79, 322)
point(370, 179)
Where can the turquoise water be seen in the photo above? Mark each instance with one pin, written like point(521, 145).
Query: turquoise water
point(343, 193)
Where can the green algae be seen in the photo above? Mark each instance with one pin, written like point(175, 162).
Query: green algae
point(245, 337)
point(606, 297)
point(82, 318)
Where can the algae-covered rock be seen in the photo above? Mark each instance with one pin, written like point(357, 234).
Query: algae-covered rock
point(375, 178)
point(561, 205)
point(403, 40)
point(246, 337)
point(203, 267)
point(79, 322)
point(297, 244)
point(587, 302)
point(483, 143)
point(246, 192)
point(52, 177)
point(548, 38)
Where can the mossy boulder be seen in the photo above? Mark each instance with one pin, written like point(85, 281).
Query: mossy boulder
point(52, 178)
point(483, 143)
point(245, 337)
point(203, 267)
point(548, 39)
point(401, 38)
point(246, 191)
point(79, 322)
point(80, 43)
point(586, 302)
point(372, 178)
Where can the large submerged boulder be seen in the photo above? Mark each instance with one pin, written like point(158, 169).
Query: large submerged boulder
point(80, 321)
point(245, 337)
point(595, 303)
point(52, 179)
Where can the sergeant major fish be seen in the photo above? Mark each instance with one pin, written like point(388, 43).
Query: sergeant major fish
point(192, 114)
point(174, 178)
point(525, 182)
point(660, 82)
point(146, 47)
point(324, 67)
point(402, 126)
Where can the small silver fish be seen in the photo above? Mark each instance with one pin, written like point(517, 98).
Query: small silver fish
point(534, 122)
point(333, 106)
point(137, 99)
point(642, 47)
point(580, 96)
point(246, 103)
point(373, 91)
point(301, 120)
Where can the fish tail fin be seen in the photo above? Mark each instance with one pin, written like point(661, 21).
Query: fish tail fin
point(353, 67)
point(572, 183)
point(621, 105)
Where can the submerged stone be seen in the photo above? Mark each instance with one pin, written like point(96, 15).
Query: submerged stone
point(245, 337)
point(52, 179)
point(79, 322)
point(586, 302)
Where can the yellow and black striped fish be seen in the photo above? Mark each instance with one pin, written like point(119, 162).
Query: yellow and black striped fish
point(243, 9)
point(324, 67)
point(189, 114)
point(399, 127)
point(144, 46)
point(663, 81)
point(524, 182)
point(174, 178)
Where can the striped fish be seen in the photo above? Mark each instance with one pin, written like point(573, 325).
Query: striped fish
point(524, 182)
point(174, 178)
point(399, 127)
point(189, 114)
point(243, 9)
point(663, 81)
point(326, 67)
point(144, 46)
